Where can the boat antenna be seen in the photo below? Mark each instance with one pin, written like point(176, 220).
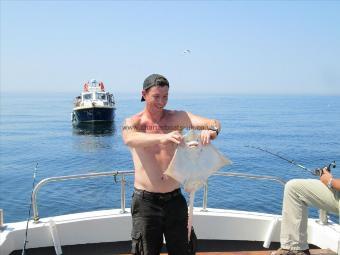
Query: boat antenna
point(29, 211)
point(316, 171)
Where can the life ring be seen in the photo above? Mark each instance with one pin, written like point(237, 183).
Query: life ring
point(101, 84)
point(86, 87)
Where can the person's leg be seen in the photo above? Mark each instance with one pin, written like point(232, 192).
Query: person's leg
point(147, 235)
point(298, 195)
point(176, 228)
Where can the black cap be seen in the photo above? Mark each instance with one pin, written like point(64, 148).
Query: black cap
point(154, 80)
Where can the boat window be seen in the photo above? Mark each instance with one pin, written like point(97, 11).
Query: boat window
point(100, 96)
point(87, 96)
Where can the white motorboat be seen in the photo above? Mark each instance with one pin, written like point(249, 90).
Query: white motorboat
point(220, 231)
point(94, 105)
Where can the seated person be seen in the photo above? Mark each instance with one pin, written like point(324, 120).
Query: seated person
point(298, 195)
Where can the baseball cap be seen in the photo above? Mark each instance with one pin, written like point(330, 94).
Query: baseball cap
point(154, 80)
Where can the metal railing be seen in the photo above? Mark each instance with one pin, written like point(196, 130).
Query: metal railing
point(123, 174)
point(1, 218)
point(240, 175)
point(80, 176)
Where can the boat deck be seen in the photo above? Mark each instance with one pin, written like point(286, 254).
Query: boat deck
point(205, 247)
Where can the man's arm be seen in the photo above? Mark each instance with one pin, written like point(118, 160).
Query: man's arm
point(336, 184)
point(134, 138)
point(205, 124)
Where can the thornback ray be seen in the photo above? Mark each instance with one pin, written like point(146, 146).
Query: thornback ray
point(192, 164)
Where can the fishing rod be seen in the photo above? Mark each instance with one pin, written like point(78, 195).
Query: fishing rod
point(316, 171)
point(29, 211)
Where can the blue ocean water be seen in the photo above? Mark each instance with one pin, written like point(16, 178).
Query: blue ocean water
point(36, 128)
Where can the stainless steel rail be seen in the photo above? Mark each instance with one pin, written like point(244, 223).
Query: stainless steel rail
point(123, 174)
point(240, 175)
point(1, 219)
point(80, 176)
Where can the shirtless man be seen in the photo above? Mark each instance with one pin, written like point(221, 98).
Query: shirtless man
point(157, 206)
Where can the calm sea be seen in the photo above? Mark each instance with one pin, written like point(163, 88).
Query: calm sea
point(37, 129)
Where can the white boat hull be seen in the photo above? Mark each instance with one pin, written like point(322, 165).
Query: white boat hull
point(114, 226)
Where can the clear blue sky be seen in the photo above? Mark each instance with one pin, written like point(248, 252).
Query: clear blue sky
point(251, 47)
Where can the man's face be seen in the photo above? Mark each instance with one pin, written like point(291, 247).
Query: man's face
point(156, 96)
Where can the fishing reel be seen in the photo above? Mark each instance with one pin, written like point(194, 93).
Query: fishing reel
point(319, 171)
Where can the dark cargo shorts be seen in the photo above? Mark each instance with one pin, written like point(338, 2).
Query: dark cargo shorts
point(155, 214)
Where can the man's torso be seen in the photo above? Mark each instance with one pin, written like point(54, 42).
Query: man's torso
point(151, 162)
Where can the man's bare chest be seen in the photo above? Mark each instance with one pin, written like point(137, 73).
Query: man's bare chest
point(163, 127)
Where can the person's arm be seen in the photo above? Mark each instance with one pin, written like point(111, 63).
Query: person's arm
point(205, 124)
point(326, 177)
point(336, 184)
point(133, 138)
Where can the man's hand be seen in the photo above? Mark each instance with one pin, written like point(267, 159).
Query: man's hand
point(174, 137)
point(206, 136)
point(326, 176)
